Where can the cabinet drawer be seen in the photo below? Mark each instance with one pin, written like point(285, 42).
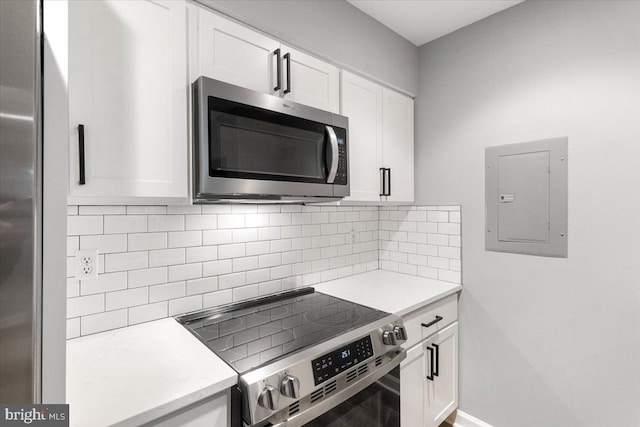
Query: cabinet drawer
point(447, 308)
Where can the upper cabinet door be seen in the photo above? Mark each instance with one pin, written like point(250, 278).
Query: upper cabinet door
point(311, 81)
point(128, 87)
point(362, 103)
point(397, 137)
point(232, 53)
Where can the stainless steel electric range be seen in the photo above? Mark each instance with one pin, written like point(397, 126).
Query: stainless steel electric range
point(306, 358)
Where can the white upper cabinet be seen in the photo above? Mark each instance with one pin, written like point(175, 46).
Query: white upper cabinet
point(128, 90)
point(362, 103)
point(380, 141)
point(310, 81)
point(397, 145)
point(225, 50)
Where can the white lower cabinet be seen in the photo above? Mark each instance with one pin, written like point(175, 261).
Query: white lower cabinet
point(429, 380)
point(207, 413)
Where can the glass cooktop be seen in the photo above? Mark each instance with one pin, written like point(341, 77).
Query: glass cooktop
point(253, 333)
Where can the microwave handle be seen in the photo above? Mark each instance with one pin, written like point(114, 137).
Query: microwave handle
point(331, 154)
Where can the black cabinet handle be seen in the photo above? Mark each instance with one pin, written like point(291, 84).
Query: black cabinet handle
point(437, 368)
point(287, 57)
point(81, 153)
point(431, 361)
point(388, 182)
point(278, 69)
point(383, 180)
point(433, 322)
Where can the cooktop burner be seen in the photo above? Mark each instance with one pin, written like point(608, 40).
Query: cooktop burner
point(250, 334)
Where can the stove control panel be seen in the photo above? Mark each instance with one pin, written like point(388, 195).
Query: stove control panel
point(332, 364)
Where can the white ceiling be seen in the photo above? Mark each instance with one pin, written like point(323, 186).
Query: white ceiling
point(421, 21)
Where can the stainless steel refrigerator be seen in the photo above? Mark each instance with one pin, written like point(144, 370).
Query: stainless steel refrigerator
point(20, 201)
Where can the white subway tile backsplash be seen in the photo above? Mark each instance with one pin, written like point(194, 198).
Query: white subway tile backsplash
point(202, 286)
point(73, 287)
point(216, 268)
point(83, 225)
point(126, 261)
point(147, 241)
point(244, 264)
point(185, 305)
point(164, 257)
point(217, 298)
point(103, 322)
point(147, 277)
point(449, 228)
point(124, 224)
point(127, 298)
point(158, 261)
point(230, 221)
point(202, 222)
point(82, 306)
point(167, 291)
point(202, 253)
point(105, 243)
point(183, 239)
point(147, 210)
point(185, 272)
point(231, 251)
point(148, 312)
point(108, 282)
point(73, 244)
point(217, 237)
point(166, 222)
point(73, 328)
point(102, 210)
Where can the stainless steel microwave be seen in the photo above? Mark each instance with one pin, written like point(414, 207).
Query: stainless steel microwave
point(251, 146)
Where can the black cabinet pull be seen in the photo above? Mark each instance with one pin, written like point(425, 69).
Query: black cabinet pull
point(388, 182)
point(278, 69)
point(437, 368)
point(433, 322)
point(81, 153)
point(287, 57)
point(430, 375)
point(382, 182)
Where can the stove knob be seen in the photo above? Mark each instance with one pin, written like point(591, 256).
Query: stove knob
point(290, 387)
point(268, 398)
point(401, 333)
point(389, 338)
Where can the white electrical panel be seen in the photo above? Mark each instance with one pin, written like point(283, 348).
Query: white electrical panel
point(526, 198)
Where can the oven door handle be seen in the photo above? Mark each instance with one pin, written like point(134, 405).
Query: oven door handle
point(332, 154)
point(337, 398)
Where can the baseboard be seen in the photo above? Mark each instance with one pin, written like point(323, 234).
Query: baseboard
point(461, 419)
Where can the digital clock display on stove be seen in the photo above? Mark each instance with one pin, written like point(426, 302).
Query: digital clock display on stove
point(339, 360)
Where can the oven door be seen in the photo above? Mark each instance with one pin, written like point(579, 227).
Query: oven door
point(248, 146)
point(378, 405)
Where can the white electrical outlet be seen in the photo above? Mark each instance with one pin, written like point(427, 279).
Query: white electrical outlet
point(87, 264)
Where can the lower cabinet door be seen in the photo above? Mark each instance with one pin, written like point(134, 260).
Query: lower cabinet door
point(411, 388)
point(440, 353)
point(211, 412)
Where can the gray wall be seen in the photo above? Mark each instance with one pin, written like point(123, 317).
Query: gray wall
point(543, 342)
point(336, 30)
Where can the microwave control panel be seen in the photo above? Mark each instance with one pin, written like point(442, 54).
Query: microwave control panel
point(341, 174)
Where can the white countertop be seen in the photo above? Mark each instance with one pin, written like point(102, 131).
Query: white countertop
point(134, 375)
point(387, 291)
